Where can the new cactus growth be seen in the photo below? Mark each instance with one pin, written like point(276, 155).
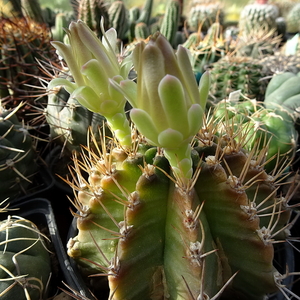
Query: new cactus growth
point(183, 211)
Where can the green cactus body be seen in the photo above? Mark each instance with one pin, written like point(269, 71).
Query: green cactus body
point(24, 261)
point(141, 31)
point(258, 16)
point(235, 73)
point(146, 12)
point(208, 50)
point(292, 19)
point(91, 12)
point(170, 21)
point(18, 159)
point(262, 124)
point(173, 237)
point(118, 18)
point(32, 9)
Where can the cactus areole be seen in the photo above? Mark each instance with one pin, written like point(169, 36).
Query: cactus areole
point(179, 213)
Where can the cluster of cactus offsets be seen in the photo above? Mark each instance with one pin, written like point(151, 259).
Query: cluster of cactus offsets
point(203, 13)
point(18, 158)
point(25, 266)
point(69, 121)
point(182, 210)
point(22, 43)
point(233, 73)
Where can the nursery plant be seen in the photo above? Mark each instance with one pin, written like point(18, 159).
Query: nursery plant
point(174, 206)
point(24, 261)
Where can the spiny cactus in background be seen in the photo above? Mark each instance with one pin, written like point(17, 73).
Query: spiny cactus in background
point(180, 212)
point(170, 22)
point(256, 43)
point(280, 63)
point(208, 49)
point(25, 266)
point(203, 13)
point(70, 122)
point(23, 43)
point(272, 127)
point(292, 19)
point(233, 73)
point(139, 21)
point(119, 18)
point(18, 158)
point(257, 16)
point(91, 12)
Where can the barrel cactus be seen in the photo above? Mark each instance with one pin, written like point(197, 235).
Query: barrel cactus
point(179, 212)
point(25, 266)
point(233, 73)
point(258, 15)
point(18, 157)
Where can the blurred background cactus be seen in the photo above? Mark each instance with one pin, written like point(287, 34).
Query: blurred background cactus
point(18, 156)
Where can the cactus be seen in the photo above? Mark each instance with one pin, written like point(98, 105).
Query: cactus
point(180, 212)
point(18, 158)
point(25, 266)
point(119, 18)
point(91, 12)
point(208, 49)
point(170, 22)
point(292, 19)
point(23, 43)
point(236, 73)
point(203, 13)
point(259, 15)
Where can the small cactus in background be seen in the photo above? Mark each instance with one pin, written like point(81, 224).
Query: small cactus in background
point(203, 13)
point(170, 22)
point(182, 210)
point(233, 73)
point(119, 18)
point(292, 19)
point(208, 49)
point(91, 12)
point(18, 158)
point(25, 266)
point(258, 16)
